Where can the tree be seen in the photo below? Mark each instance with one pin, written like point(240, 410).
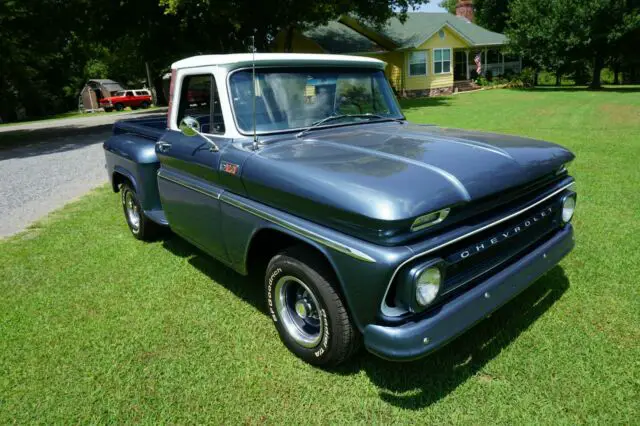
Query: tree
point(449, 5)
point(491, 14)
point(266, 18)
point(556, 33)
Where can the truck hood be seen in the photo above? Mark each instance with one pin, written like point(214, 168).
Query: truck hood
point(374, 175)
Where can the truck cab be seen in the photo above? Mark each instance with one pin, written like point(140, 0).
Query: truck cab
point(363, 228)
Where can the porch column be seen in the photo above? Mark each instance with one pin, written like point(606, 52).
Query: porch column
point(485, 62)
point(502, 56)
point(466, 63)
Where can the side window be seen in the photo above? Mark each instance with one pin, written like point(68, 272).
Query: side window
point(129, 94)
point(199, 99)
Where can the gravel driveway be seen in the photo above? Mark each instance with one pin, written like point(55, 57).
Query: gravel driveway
point(44, 175)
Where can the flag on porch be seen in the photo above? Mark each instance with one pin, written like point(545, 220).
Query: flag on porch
point(478, 61)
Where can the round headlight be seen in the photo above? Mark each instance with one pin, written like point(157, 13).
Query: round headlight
point(428, 285)
point(568, 207)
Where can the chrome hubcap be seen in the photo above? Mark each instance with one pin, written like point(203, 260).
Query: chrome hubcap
point(298, 310)
point(133, 214)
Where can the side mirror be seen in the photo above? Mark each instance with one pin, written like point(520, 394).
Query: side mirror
point(189, 126)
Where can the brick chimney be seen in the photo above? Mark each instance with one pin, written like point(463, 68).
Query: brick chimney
point(464, 9)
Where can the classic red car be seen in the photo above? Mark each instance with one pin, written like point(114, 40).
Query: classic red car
point(127, 98)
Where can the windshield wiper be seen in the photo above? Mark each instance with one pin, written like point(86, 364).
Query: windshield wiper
point(341, 116)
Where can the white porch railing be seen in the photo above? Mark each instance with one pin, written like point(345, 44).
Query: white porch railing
point(496, 68)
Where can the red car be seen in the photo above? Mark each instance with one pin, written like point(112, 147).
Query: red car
point(127, 98)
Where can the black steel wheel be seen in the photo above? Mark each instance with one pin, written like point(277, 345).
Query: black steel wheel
point(140, 226)
point(307, 309)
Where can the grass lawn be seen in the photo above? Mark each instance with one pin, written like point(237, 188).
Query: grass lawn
point(96, 326)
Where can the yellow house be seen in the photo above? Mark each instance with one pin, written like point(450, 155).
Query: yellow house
point(429, 54)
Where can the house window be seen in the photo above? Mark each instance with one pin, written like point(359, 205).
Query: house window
point(441, 61)
point(417, 63)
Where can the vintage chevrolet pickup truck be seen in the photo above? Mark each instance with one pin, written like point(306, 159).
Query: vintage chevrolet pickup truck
point(302, 169)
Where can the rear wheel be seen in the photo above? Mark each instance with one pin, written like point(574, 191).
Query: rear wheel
point(140, 226)
point(144, 105)
point(306, 308)
point(119, 107)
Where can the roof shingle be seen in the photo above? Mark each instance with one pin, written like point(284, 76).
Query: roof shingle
point(419, 26)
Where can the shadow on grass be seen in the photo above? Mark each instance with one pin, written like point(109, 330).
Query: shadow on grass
point(246, 288)
point(609, 89)
point(418, 103)
point(417, 384)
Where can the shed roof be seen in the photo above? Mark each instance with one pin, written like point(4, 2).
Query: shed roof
point(110, 85)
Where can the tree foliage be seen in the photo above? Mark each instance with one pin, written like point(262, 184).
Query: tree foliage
point(49, 48)
point(449, 5)
point(492, 14)
point(556, 34)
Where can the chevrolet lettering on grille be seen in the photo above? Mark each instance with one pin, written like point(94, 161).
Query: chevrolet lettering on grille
point(500, 237)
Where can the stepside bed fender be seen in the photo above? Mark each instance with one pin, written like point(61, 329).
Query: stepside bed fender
point(132, 157)
point(362, 269)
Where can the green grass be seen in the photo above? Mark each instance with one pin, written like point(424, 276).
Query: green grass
point(98, 327)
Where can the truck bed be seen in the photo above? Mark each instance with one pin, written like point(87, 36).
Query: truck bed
point(148, 127)
point(130, 156)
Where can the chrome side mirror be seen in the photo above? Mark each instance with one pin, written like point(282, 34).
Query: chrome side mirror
point(189, 126)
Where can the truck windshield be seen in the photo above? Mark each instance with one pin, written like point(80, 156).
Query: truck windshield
point(293, 99)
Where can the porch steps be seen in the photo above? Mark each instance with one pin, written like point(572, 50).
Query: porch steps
point(464, 86)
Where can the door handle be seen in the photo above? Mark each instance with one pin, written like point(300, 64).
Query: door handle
point(163, 146)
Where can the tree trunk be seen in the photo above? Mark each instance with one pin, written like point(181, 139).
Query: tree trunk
point(616, 73)
point(535, 77)
point(288, 41)
point(558, 77)
point(598, 63)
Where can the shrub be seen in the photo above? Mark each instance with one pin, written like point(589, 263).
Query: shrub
point(527, 77)
point(489, 75)
point(482, 81)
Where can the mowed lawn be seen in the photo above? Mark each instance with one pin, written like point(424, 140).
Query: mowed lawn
point(97, 327)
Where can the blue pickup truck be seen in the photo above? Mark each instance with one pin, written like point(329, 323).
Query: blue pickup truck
point(365, 228)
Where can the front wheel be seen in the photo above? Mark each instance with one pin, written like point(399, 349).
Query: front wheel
point(119, 107)
point(140, 226)
point(307, 310)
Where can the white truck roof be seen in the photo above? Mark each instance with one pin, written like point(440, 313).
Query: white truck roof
point(237, 60)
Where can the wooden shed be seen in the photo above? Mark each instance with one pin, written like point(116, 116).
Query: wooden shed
point(95, 90)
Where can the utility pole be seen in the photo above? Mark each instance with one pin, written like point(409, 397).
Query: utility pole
point(151, 88)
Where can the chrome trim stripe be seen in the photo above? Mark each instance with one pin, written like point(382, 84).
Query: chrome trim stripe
point(388, 310)
point(188, 186)
point(357, 254)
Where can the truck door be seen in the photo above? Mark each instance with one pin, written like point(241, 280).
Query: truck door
point(188, 179)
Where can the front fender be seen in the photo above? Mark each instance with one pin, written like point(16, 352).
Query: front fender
point(363, 269)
